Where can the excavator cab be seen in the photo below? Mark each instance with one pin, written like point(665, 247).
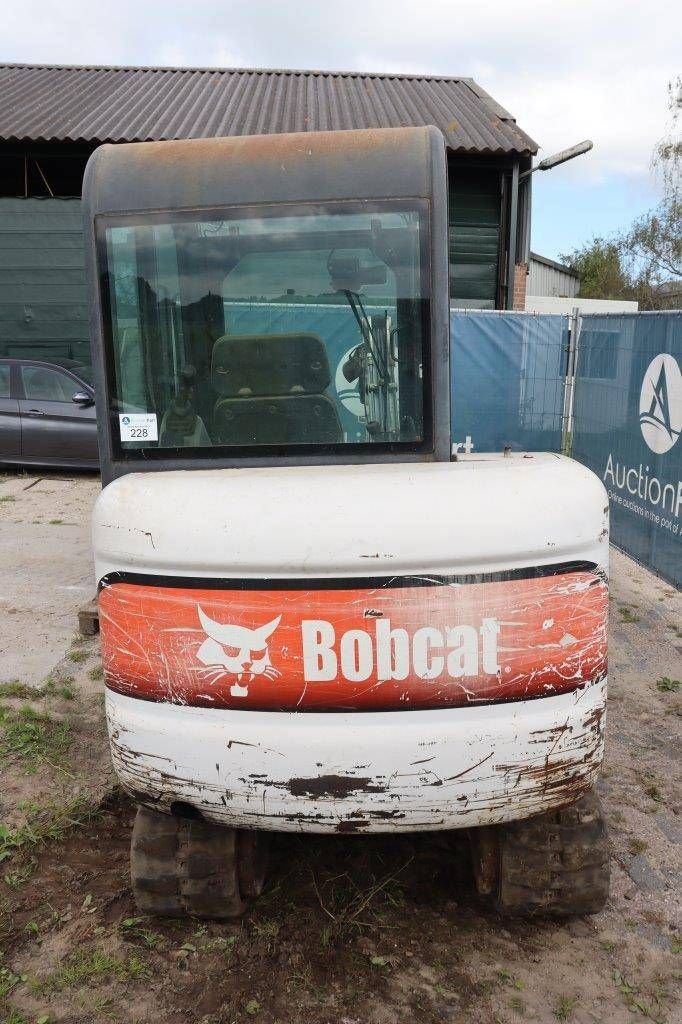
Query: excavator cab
point(314, 616)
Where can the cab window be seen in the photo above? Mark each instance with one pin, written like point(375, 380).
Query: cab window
point(268, 329)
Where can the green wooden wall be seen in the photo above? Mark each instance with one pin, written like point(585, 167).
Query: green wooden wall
point(474, 219)
point(43, 303)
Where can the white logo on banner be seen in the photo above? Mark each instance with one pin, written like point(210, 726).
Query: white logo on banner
point(660, 404)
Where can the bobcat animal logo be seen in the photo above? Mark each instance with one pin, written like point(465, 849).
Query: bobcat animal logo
point(241, 652)
point(660, 403)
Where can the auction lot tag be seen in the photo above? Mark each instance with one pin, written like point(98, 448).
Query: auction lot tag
point(138, 426)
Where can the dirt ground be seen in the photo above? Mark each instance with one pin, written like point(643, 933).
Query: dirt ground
point(350, 930)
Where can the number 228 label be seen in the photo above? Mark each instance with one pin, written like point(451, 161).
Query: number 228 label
point(138, 426)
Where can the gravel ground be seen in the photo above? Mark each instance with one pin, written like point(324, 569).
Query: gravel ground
point(350, 930)
point(47, 570)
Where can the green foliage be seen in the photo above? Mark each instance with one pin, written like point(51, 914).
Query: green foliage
point(565, 1007)
point(32, 737)
point(667, 685)
point(90, 966)
point(599, 265)
point(49, 824)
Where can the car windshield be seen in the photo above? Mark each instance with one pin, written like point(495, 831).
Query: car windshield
point(268, 328)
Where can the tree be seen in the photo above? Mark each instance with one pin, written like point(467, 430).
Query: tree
point(652, 247)
point(599, 265)
point(645, 261)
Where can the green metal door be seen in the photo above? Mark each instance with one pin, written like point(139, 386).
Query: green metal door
point(474, 218)
point(43, 304)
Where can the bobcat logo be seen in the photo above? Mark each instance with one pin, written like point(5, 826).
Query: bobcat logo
point(237, 650)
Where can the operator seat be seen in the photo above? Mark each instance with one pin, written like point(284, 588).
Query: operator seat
point(271, 391)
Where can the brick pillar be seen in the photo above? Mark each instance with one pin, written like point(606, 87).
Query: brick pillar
point(520, 278)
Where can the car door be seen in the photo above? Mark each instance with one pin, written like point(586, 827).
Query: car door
point(10, 421)
point(54, 428)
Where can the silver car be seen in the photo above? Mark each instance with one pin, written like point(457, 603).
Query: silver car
point(47, 413)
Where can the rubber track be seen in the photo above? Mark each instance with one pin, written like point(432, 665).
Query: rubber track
point(555, 864)
point(182, 867)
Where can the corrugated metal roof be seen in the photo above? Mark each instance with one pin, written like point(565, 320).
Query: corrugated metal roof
point(107, 104)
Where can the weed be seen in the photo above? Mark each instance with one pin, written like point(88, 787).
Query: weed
point(675, 945)
point(15, 689)
point(627, 615)
point(667, 685)
point(59, 688)
point(252, 1007)
point(6, 498)
point(346, 903)
point(220, 945)
point(517, 1004)
point(15, 879)
point(20, 690)
point(44, 825)
point(77, 656)
point(33, 737)
point(637, 846)
point(267, 931)
point(654, 791)
point(15, 1017)
point(133, 930)
point(96, 673)
point(55, 522)
point(86, 966)
point(565, 1007)
point(8, 981)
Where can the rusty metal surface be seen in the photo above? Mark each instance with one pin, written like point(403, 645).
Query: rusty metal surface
point(104, 104)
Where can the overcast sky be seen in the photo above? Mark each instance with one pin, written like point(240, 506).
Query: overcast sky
point(590, 69)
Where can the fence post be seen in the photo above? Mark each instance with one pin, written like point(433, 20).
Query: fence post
point(569, 383)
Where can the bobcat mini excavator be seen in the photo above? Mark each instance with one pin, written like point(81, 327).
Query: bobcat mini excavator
point(315, 616)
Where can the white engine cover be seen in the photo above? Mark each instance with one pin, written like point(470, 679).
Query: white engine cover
point(370, 768)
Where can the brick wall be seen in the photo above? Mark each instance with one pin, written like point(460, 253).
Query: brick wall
point(520, 278)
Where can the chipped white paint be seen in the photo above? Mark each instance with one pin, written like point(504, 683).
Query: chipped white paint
point(360, 771)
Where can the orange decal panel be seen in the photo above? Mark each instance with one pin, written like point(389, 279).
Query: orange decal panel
point(419, 644)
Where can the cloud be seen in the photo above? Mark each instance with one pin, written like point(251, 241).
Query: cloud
point(567, 72)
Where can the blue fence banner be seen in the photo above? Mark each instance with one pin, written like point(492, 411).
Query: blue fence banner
point(627, 425)
point(508, 374)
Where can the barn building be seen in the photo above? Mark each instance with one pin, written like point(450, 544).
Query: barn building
point(52, 118)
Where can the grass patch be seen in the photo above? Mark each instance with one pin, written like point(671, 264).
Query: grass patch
point(96, 673)
point(4, 498)
point(44, 825)
point(565, 1007)
point(85, 967)
point(52, 688)
point(636, 846)
point(16, 689)
point(627, 615)
point(667, 685)
point(32, 737)
point(78, 655)
point(132, 928)
point(55, 522)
